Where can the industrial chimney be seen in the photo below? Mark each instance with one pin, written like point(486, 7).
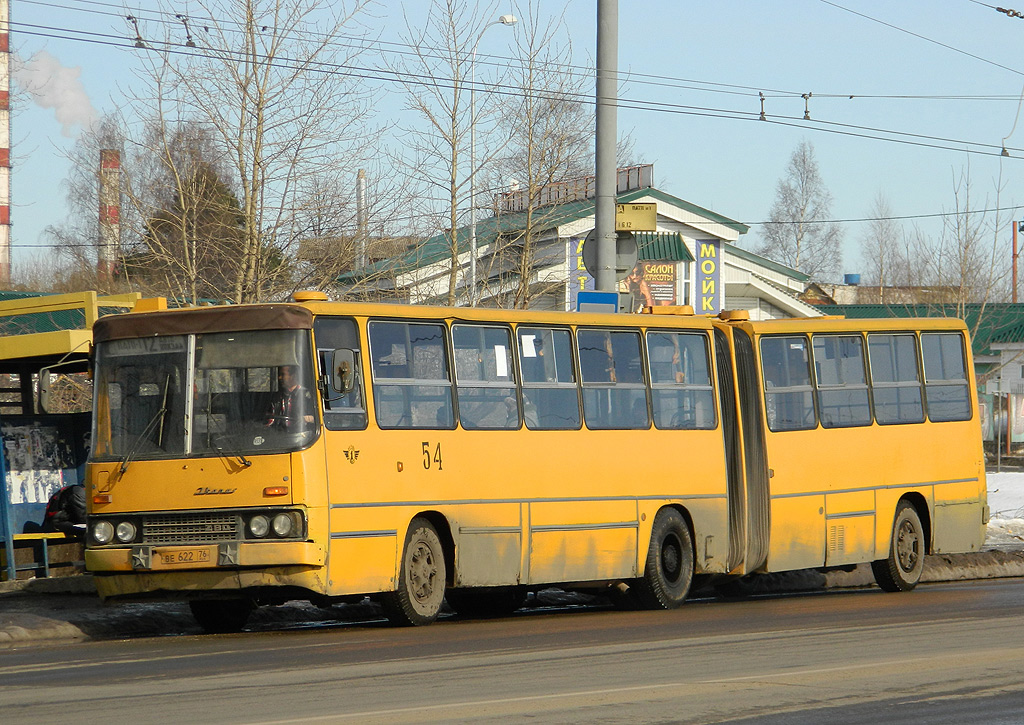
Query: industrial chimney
point(110, 212)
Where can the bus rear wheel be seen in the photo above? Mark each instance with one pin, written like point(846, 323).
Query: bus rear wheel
point(901, 570)
point(218, 616)
point(421, 578)
point(668, 571)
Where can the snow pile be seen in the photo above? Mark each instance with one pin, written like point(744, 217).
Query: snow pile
point(1006, 503)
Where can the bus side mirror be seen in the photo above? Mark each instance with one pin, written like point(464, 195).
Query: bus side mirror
point(344, 367)
point(43, 390)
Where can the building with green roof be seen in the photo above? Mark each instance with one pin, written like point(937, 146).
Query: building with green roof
point(692, 257)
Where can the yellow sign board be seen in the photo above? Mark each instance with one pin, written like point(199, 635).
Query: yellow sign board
point(636, 217)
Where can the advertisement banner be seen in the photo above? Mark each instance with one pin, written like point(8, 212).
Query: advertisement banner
point(709, 276)
point(650, 284)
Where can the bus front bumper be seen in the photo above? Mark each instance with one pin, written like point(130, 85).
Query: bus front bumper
point(231, 554)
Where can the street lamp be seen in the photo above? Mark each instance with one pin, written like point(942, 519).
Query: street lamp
point(503, 20)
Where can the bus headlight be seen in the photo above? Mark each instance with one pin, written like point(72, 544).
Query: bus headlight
point(125, 532)
point(259, 526)
point(102, 532)
point(283, 525)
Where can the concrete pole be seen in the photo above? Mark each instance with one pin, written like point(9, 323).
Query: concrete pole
point(5, 145)
point(604, 147)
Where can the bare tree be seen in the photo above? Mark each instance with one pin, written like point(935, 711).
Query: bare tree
point(881, 247)
point(797, 234)
point(262, 83)
point(437, 79)
point(549, 123)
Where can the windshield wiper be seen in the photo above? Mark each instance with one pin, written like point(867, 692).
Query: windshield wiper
point(233, 454)
point(157, 418)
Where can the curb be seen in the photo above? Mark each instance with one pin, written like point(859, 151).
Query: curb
point(66, 609)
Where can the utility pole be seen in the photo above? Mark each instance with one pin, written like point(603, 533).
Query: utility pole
point(605, 169)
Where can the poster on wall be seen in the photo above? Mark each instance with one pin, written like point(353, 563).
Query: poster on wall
point(579, 278)
point(709, 276)
point(649, 284)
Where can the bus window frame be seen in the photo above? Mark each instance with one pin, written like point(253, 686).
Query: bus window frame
point(514, 377)
point(525, 387)
point(615, 385)
point(326, 378)
point(820, 388)
point(914, 335)
point(678, 386)
point(810, 388)
point(963, 382)
point(410, 382)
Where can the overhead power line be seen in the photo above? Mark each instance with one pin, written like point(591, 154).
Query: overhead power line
point(410, 78)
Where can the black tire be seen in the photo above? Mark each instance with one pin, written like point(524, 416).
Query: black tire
point(217, 616)
point(668, 571)
point(901, 570)
point(421, 578)
point(486, 601)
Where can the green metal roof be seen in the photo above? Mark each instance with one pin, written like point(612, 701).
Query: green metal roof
point(667, 246)
point(988, 323)
point(438, 247)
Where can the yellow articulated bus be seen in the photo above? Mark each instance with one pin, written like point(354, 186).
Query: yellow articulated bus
point(247, 455)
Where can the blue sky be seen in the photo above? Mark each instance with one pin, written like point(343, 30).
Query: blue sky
point(910, 67)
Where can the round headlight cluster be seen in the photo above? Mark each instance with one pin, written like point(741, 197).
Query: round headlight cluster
point(102, 532)
point(270, 525)
point(283, 525)
point(105, 532)
point(259, 525)
point(125, 532)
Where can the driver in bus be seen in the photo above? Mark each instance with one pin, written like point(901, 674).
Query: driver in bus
point(292, 407)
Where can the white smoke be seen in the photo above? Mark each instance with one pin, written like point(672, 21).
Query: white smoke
point(51, 85)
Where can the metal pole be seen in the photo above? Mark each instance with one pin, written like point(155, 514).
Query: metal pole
point(1014, 259)
point(472, 173)
point(604, 147)
point(503, 20)
point(7, 520)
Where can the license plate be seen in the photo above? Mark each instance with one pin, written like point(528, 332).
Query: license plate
point(185, 556)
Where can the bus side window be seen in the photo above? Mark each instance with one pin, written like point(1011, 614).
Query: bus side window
point(550, 397)
point(341, 411)
point(485, 378)
point(895, 378)
point(785, 366)
point(842, 384)
point(945, 376)
point(681, 390)
point(614, 392)
point(412, 385)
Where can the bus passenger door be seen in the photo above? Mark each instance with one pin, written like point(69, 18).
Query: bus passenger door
point(362, 543)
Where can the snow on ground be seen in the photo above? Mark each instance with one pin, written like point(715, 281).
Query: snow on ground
point(1006, 503)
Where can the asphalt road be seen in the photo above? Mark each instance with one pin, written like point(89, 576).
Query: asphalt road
point(945, 653)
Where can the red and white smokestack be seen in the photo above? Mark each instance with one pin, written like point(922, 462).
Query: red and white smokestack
point(5, 144)
point(110, 212)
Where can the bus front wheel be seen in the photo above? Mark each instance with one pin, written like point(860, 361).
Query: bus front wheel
point(901, 570)
point(421, 578)
point(668, 571)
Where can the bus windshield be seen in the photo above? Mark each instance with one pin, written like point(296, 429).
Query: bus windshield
point(251, 394)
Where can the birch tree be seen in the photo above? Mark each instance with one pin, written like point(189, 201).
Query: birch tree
point(797, 234)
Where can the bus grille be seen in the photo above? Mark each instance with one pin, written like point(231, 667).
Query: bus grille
point(191, 528)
